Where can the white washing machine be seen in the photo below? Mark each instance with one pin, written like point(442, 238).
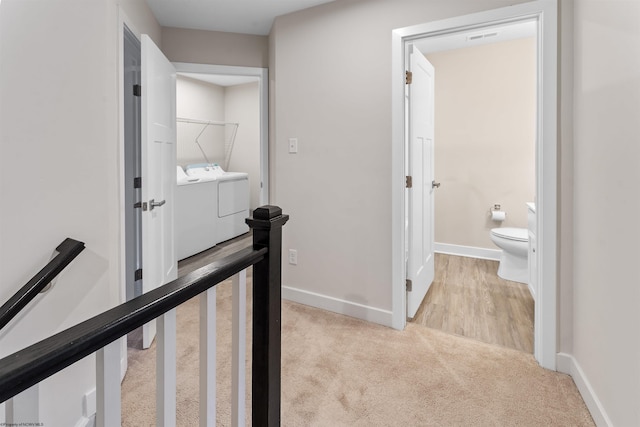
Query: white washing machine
point(233, 205)
point(195, 225)
point(211, 207)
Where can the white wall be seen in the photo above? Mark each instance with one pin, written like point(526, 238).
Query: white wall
point(485, 131)
point(606, 294)
point(234, 104)
point(333, 92)
point(199, 100)
point(242, 105)
point(59, 171)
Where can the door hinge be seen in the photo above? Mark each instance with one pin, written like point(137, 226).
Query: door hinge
point(409, 183)
point(409, 285)
point(408, 78)
point(137, 182)
point(138, 274)
point(137, 90)
point(137, 205)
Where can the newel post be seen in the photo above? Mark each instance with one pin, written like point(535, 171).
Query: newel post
point(266, 223)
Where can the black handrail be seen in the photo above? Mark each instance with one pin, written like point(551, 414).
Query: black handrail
point(33, 364)
point(28, 367)
point(67, 251)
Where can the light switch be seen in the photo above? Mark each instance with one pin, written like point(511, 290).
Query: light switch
point(293, 145)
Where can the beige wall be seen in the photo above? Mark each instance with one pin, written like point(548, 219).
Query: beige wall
point(199, 100)
point(213, 47)
point(234, 104)
point(485, 127)
point(606, 294)
point(59, 171)
point(242, 105)
point(337, 102)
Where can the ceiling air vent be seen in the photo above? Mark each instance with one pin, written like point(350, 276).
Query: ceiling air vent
point(482, 36)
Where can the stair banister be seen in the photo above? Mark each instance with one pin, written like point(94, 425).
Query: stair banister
point(67, 251)
point(100, 334)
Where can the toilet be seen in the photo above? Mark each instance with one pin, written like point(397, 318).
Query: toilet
point(514, 243)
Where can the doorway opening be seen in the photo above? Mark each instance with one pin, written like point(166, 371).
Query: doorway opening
point(484, 158)
point(544, 15)
point(231, 88)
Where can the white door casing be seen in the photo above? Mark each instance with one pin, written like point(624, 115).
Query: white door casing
point(420, 219)
point(159, 259)
point(545, 12)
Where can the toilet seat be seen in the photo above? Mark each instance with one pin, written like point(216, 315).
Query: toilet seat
point(509, 233)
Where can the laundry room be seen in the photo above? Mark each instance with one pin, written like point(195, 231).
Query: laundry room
point(218, 158)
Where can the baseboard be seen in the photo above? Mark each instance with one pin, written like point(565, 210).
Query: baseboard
point(567, 364)
point(336, 305)
point(531, 291)
point(468, 251)
point(86, 422)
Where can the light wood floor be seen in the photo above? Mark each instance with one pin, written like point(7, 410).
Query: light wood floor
point(468, 298)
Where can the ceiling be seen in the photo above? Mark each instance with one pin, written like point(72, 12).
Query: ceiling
point(477, 37)
point(257, 16)
point(233, 16)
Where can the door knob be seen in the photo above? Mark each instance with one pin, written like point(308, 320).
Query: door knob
point(435, 184)
point(154, 204)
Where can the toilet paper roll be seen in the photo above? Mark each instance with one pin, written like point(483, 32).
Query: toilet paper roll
point(498, 215)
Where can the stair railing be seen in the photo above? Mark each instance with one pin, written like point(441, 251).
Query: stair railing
point(67, 251)
point(24, 369)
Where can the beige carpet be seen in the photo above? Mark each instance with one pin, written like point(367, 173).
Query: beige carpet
point(339, 371)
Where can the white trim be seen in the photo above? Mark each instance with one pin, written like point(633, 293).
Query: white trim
point(545, 12)
point(569, 365)
point(533, 293)
point(85, 422)
point(263, 77)
point(468, 251)
point(337, 305)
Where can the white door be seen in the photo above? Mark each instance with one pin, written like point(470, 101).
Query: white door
point(159, 261)
point(420, 265)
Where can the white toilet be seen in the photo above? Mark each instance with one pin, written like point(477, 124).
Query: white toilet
point(514, 243)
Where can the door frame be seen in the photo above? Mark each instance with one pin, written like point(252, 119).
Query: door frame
point(545, 12)
point(123, 20)
point(263, 87)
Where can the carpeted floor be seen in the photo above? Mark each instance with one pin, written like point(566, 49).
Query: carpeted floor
point(340, 371)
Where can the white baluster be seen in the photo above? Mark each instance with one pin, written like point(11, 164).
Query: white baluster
point(108, 407)
point(239, 350)
point(208, 358)
point(166, 369)
point(24, 408)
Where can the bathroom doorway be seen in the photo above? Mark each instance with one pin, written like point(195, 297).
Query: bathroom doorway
point(545, 17)
point(485, 115)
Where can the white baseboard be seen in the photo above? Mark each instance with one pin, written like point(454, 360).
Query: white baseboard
point(336, 305)
point(567, 364)
point(86, 422)
point(468, 251)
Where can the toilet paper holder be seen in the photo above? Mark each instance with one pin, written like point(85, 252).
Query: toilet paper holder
point(496, 214)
